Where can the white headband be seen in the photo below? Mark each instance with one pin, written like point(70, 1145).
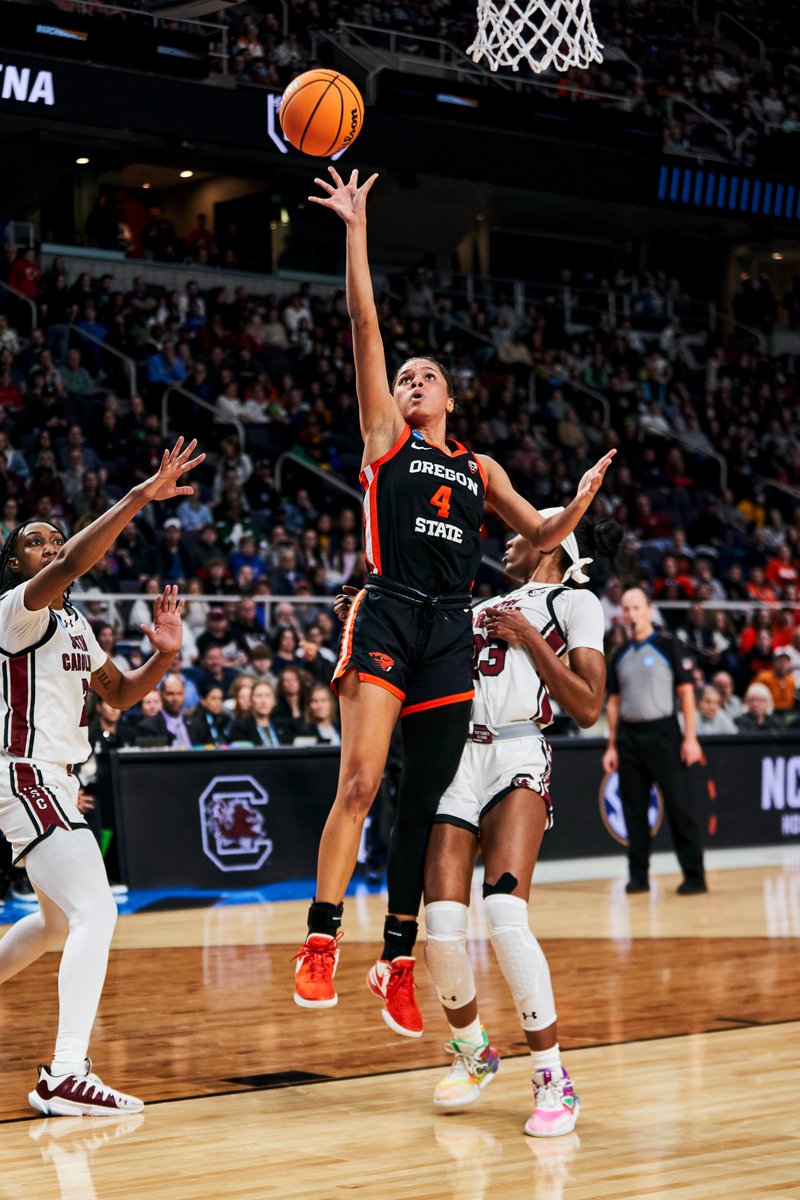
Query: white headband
point(570, 543)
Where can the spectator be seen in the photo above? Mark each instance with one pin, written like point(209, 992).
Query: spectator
point(237, 701)
point(158, 236)
point(260, 665)
point(218, 633)
point(169, 725)
point(214, 669)
point(209, 724)
point(711, 716)
point(779, 682)
point(174, 563)
point(758, 716)
point(292, 695)
point(729, 701)
point(200, 239)
point(321, 715)
point(258, 727)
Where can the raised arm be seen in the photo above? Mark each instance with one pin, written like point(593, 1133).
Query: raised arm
point(123, 689)
point(543, 532)
point(381, 423)
point(82, 551)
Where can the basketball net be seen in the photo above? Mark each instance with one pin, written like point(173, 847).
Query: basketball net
point(546, 33)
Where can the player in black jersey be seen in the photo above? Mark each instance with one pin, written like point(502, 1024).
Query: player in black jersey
point(406, 647)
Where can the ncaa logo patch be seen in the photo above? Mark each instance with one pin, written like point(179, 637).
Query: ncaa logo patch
point(384, 661)
point(611, 813)
point(232, 823)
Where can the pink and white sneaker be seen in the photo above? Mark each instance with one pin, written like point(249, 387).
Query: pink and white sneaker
point(556, 1106)
point(79, 1096)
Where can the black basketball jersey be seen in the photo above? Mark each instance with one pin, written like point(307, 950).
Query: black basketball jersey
point(423, 510)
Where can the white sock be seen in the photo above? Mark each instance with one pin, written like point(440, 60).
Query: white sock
point(471, 1034)
point(68, 870)
point(546, 1060)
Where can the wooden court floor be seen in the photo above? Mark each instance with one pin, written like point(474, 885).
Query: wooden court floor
point(679, 1017)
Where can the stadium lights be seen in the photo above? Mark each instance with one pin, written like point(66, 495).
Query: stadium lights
point(146, 186)
point(186, 174)
point(82, 161)
point(777, 256)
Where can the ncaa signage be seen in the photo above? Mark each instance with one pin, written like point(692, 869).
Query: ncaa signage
point(25, 86)
point(232, 823)
point(613, 817)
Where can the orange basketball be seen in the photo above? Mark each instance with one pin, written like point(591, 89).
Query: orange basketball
point(321, 112)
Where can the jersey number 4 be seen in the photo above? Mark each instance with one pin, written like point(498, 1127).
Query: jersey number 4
point(494, 659)
point(441, 501)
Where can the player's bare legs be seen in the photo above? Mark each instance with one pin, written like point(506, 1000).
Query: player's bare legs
point(368, 717)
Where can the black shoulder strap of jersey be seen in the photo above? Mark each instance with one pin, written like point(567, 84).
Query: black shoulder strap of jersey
point(550, 600)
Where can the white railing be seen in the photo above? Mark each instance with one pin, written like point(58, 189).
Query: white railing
point(740, 26)
point(126, 360)
point(32, 305)
point(177, 389)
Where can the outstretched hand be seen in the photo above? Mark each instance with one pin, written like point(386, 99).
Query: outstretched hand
point(347, 199)
point(590, 483)
point(175, 462)
point(166, 634)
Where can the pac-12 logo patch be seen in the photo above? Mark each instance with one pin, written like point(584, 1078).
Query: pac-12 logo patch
point(473, 466)
point(232, 823)
point(382, 660)
point(613, 817)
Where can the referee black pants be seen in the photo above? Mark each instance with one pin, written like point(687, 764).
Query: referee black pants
point(650, 753)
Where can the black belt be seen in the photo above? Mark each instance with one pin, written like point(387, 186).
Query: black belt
point(390, 587)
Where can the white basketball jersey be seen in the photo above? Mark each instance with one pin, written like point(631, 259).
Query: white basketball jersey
point(46, 663)
point(507, 684)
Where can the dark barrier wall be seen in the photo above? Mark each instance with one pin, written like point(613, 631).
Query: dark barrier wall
point(233, 818)
point(240, 818)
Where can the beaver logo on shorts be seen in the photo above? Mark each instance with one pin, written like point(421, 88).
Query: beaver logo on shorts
point(382, 660)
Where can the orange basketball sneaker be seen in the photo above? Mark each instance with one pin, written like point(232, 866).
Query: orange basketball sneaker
point(316, 967)
point(394, 983)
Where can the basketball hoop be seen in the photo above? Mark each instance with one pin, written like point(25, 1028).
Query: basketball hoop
point(546, 33)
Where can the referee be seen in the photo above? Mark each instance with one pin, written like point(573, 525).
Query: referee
point(645, 744)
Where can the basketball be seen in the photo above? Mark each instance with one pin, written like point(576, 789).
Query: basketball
point(321, 113)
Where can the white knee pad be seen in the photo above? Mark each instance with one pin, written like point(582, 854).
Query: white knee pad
point(522, 960)
point(446, 952)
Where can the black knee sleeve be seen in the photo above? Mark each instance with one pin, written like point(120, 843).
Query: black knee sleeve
point(433, 741)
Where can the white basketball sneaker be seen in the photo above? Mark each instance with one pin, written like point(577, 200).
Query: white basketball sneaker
point(79, 1096)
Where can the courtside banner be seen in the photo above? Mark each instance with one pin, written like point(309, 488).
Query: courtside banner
point(242, 818)
point(746, 793)
point(221, 818)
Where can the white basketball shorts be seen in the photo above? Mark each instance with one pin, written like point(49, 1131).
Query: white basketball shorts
point(35, 799)
point(486, 775)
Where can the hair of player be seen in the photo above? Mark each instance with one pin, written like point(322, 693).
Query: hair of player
point(439, 367)
point(600, 539)
point(9, 578)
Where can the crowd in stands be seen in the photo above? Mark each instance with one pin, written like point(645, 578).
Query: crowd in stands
point(719, 88)
point(544, 397)
point(657, 58)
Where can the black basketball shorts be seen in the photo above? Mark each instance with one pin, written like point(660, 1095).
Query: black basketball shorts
point(419, 650)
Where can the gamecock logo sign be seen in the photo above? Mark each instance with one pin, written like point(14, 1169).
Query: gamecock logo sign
point(232, 822)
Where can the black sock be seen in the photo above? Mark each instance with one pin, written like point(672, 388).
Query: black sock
point(398, 938)
point(324, 918)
